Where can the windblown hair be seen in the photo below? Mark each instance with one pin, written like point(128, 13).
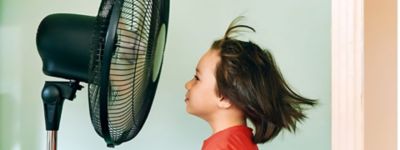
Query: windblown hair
point(249, 77)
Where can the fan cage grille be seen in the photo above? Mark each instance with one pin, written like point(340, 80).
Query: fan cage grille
point(130, 69)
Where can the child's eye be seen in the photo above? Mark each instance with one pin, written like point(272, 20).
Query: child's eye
point(196, 77)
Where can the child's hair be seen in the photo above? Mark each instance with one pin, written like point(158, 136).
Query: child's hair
point(249, 77)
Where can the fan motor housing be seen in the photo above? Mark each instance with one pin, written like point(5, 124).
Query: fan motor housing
point(64, 43)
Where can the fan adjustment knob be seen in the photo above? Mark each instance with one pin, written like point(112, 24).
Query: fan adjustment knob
point(50, 94)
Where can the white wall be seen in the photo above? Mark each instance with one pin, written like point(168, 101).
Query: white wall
point(297, 33)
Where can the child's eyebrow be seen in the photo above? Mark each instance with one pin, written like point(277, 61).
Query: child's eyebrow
point(197, 70)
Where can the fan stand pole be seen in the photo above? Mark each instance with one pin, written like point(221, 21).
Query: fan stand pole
point(53, 95)
point(52, 140)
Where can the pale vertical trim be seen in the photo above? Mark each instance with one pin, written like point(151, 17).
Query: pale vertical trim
point(347, 74)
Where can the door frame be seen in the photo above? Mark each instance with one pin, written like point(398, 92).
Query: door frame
point(347, 74)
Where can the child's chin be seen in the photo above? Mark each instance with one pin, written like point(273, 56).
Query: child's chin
point(189, 111)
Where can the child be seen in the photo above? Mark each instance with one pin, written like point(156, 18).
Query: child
point(235, 81)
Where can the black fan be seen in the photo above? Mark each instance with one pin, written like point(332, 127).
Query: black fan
point(119, 54)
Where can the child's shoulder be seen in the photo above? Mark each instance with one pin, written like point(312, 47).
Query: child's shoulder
point(232, 138)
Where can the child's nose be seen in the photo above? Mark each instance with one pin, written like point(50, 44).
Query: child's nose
point(187, 84)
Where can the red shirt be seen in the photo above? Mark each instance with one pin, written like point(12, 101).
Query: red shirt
point(233, 138)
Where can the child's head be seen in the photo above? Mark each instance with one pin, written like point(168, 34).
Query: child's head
point(202, 95)
point(241, 77)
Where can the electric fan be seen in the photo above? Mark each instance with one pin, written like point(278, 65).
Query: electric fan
point(119, 54)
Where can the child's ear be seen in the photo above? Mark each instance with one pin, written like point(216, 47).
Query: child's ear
point(224, 103)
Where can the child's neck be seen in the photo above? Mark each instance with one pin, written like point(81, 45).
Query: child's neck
point(221, 124)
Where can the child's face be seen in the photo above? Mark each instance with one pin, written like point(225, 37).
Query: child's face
point(201, 97)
